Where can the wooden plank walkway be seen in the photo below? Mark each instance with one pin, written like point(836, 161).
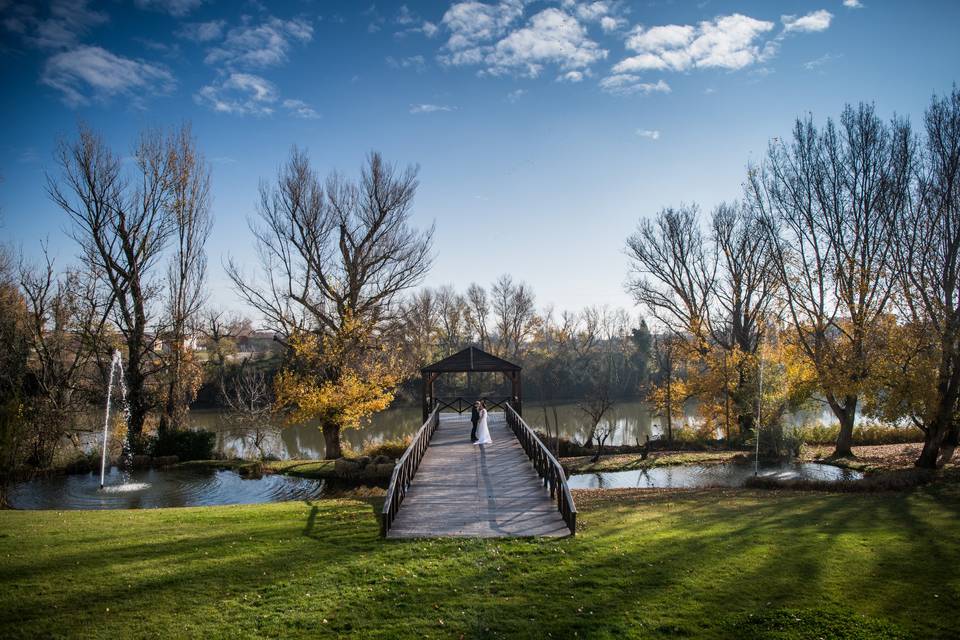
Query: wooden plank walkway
point(466, 490)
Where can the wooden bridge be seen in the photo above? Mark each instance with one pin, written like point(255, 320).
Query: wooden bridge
point(444, 485)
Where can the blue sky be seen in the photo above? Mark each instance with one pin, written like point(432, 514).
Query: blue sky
point(544, 130)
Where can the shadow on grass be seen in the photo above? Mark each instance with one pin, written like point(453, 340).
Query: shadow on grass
point(697, 562)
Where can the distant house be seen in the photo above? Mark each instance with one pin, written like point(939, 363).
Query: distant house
point(163, 343)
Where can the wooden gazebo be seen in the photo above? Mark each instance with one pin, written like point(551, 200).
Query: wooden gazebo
point(470, 360)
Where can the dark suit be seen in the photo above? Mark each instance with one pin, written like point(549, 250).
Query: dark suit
point(474, 418)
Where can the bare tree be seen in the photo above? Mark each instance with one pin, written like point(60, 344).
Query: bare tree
point(672, 271)
point(746, 283)
point(66, 318)
point(13, 369)
point(515, 315)
point(453, 317)
point(826, 201)
point(335, 256)
point(121, 222)
point(666, 351)
point(710, 290)
point(477, 313)
point(927, 252)
point(186, 273)
point(420, 327)
point(247, 395)
point(596, 405)
point(743, 297)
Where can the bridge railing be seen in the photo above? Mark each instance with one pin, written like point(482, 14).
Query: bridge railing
point(405, 469)
point(547, 467)
point(461, 404)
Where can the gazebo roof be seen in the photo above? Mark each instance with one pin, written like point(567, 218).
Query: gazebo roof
point(470, 359)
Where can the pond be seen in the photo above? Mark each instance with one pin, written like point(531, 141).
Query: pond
point(632, 422)
point(151, 488)
point(717, 475)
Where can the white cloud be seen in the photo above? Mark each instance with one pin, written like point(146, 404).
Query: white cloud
point(550, 37)
point(816, 63)
point(429, 108)
point(652, 134)
point(670, 36)
point(609, 23)
point(263, 45)
point(642, 62)
point(515, 95)
point(417, 63)
point(812, 22)
point(61, 27)
point(201, 31)
point(429, 29)
point(727, 42)
point(622, 84)
point(301, 109)
point(405, 16)
point(239, 94)
point(853, 4)
point(571, 76)
point(471, 24)
point(88, 73)
point(600, 12)
point(176, 8)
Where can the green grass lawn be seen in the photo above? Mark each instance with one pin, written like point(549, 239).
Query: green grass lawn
point(715, 563)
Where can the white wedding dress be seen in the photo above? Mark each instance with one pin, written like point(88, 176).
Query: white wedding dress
point(483, 432)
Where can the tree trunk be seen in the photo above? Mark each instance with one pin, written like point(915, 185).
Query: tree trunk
point(940, 436)
point(931, 449)
point(949, 445)
point(167, 417)
point(669, 411)
point(331, 441)
point(846, 414)
point(745, 424)
point(137, 402)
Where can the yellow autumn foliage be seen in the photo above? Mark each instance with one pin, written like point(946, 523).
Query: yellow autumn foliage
point(341, 378)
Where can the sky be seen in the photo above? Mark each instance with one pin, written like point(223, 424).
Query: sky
point(543, 130)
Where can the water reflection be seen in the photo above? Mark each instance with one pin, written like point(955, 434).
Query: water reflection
point(633, 421)
point(718, 475)
point(150, 488)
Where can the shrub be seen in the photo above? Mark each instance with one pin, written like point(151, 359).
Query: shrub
point(871, 433)
point(185, 444)
point(392, 448)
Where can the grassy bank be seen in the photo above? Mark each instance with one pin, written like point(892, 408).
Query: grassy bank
point(645, 564)
point(630, 461)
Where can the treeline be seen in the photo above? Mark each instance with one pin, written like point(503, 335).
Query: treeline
point(139, 287)
point(836, 276)
point(565, 355)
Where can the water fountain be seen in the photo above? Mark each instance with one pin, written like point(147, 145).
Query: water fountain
point(115, 364)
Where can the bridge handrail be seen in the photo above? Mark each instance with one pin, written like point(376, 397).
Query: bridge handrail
point(547, 467)
point(405, 469)
point(461, 404)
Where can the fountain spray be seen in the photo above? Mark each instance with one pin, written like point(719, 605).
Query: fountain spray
point(115, 364)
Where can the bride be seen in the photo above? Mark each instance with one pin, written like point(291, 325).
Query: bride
point(483, 432)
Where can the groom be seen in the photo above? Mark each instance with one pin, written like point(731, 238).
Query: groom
point(474, 418)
